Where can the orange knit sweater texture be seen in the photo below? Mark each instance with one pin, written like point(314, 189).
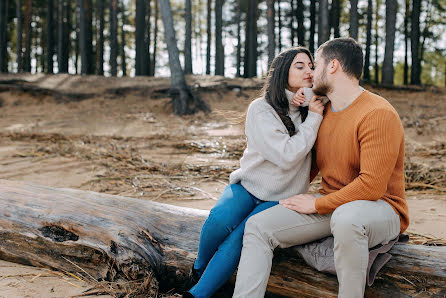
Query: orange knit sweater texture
point(360, 154)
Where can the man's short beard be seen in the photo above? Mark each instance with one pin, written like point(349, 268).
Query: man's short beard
point(323, 88)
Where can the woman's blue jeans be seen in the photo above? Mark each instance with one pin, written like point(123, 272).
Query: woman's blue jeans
point(221, 238)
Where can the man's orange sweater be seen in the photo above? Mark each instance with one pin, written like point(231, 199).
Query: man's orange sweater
point(360, 154)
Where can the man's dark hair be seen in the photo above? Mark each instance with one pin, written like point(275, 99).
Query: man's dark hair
point(347, 51)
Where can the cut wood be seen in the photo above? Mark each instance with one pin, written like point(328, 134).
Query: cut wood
point(118, 238)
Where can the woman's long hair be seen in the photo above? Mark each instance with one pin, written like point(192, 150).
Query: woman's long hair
point(277, 80)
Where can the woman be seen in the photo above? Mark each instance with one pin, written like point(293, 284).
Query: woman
point(275, 165)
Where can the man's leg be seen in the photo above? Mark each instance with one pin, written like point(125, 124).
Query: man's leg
point(225, 260)
point(356, 227)
point(275, 227)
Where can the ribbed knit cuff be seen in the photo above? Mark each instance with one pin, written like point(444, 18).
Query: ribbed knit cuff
point(321, 206)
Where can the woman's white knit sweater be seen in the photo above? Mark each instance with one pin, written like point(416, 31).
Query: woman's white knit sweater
point(275, 166)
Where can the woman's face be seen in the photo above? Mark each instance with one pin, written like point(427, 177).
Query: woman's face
point(301, 73)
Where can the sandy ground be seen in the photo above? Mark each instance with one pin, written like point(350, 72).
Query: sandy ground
point(129, 143)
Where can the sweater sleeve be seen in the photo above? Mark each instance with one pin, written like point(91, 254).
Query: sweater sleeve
point(267, 134)
point(380, 135)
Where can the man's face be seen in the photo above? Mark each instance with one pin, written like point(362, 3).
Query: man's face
point(321, 85)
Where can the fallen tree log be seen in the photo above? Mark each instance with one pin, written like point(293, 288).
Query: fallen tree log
point(112, 237)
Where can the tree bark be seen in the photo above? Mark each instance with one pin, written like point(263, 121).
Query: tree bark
point(406, 42)
point(271, 34)
point(415, 74)
point(62, 38)
point(239, 38)
point(86, 35)
point(335, 17)
point(115, 238)
point(122, 45)
point(155, 37)
point(323, 28)
point(114, 38)
point(49, 36)
point(354, 21)
point(250, 58)
point(279, 25)
point(27, 56)
point(3, 36)
point(182, 96)
point(291, 25)
point(100, 45)
point(209, 37)
point(188, 37)
point(140, 38)
point(219, 49)
point(300, 8)
point(378, 2)
point(312, 25)
point(19, 33)
point(368, 41)
point(148, 38)
point(387, 69)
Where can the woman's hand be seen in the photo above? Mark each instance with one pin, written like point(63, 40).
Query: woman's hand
point(316, 105)
point(299, 98)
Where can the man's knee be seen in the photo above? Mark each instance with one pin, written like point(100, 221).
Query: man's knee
point(255, 230)
point(346, 224)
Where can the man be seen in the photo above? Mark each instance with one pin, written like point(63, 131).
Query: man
point(360, 154)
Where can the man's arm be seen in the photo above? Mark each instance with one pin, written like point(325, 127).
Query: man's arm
point(380, 135)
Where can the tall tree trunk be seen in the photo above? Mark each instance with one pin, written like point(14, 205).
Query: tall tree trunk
point(188, 37)
point(219, 50)
point(114, 37)
point(77, 41)
point(279, 25)
point(312, 25)
point(300, 8)
point(354, 20)
point(335, 17)
point(62, 38)
point(250, 59)
point(181, 93)
point(3, 36)
point(140, 37)
point(148, 39)
point(155, 37)
point(406, 42)
point(378, 2)
point(122, 45)
point(209, 37)
point(239, 38)
point(323, 27)
point(85, 43)
point(425, 33)
point(19, 33)
point(271, 34)
point(368, 41)
point(100, 45)
point(415, 74)
point(27, 57)
point(291, 25)
point(43, 45)
point(387, 69)
point(49, 36)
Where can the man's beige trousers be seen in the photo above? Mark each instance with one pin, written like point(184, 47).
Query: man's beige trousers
point(356, 226)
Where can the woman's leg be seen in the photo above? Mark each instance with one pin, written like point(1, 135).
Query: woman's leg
point(233, 206)
point(225, 260)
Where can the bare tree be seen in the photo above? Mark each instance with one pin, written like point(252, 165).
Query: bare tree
point(122, 45)
point(3, 36)
point(219, 49)
point(188, 38)
point(184, 100)
point(85, 36)
point(300, 8)
point(209, 37)
point(312, 25)
point(239, 39)
point(406, 41)
point(323, 27)
point(155, 34)
point(354, 19)
point(140, 38)
point(250, 58)
point(271, 27)
point(415, 74)
point(100, 45)
point(114, 37)
point(368, 41)
point(387, 69)
point(335, 17)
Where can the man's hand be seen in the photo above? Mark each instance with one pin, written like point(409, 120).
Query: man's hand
point(304, 203)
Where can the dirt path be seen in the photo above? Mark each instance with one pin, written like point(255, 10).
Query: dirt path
point(129, 144)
